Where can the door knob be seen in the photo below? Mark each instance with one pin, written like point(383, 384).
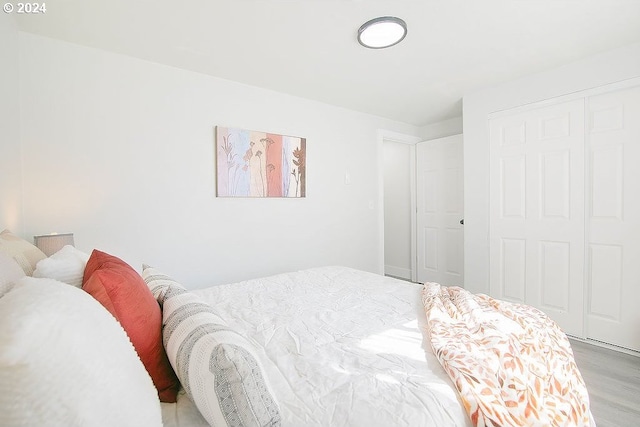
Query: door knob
point(462, 221)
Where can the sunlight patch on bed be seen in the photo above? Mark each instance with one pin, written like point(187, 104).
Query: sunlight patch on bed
point(402, 342)
point(387, 379)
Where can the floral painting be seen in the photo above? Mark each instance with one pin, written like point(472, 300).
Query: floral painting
point(259, 164)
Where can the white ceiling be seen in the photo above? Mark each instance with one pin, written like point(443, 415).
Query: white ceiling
point(308, 48)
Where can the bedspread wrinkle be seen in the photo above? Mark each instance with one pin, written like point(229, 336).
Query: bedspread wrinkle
point(511, 364)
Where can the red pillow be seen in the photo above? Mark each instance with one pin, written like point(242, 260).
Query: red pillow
point(123, 292)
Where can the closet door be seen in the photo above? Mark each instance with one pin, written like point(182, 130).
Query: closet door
point(537, 211)
point(613, 211)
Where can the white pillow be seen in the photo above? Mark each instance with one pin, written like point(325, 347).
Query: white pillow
point(218, 367)
point(65, 361)
point(10, 272)
point(67, 265)
point(26, 254)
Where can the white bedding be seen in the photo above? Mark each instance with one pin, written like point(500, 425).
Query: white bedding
point(342, 347)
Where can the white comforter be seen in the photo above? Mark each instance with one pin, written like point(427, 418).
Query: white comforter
point(342, 347)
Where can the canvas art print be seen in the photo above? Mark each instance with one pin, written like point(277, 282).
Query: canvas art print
point(259, 164)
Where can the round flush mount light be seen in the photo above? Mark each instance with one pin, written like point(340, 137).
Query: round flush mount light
point(382, 32)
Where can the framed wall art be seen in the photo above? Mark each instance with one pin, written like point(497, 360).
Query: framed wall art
point(259, 164)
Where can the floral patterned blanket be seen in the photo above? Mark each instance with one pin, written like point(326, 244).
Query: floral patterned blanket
point(511, 364)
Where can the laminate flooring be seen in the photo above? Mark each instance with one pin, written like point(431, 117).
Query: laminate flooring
point(613, 382)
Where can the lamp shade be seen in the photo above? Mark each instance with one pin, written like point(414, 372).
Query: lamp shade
point(52, 243)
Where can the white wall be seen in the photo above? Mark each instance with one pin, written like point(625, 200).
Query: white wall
point(598, 70)
point(397, 208)
point(10, 163)
point(441, 129)
point(121, 152)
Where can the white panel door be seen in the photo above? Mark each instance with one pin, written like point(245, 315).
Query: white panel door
point(537, 211)
point(439, 187)
point(613, 212)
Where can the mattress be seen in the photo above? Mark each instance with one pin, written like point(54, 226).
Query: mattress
point(341, 347)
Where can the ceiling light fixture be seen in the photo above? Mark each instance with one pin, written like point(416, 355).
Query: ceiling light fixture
point(382, 32)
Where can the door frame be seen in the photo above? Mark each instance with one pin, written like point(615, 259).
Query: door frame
point(391, 136)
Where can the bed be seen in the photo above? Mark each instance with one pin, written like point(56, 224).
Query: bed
point(329, 346)
point(347, 346)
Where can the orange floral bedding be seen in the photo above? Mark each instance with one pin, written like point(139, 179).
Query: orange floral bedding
point(511, 364)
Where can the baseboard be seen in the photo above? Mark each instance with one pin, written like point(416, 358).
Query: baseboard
point(606, 345)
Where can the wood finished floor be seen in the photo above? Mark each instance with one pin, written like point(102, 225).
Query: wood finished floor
point(613, 381)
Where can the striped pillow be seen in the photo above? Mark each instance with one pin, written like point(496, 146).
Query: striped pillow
point(217, 366)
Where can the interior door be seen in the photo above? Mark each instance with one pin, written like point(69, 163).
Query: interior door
point(537, 211)
point(439, 202)
point(613, 211)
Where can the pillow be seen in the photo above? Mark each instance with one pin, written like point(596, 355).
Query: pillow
point(65, 361)
point(10, 272)
point(26, 254)
point(67, 265)
point(124, 294)
point(217, 366)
